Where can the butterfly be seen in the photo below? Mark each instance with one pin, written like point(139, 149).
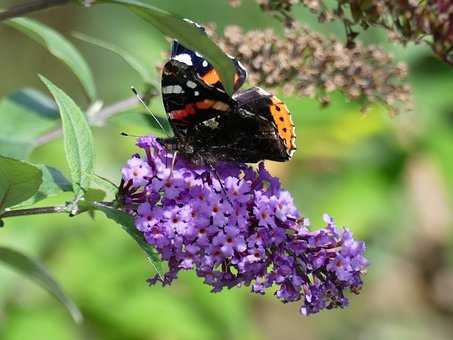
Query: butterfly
point(209, 125)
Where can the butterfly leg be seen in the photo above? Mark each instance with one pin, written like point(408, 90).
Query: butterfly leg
point(216, 174)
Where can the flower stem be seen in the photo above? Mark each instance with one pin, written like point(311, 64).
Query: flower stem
point(28, 7)
point(58, 209)
point(34, 211)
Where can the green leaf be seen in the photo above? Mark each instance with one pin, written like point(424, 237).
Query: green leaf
point(53, 183)
point(18, 181)
point(186, 33)
point(78, 141)
point(36, 272)
point(130, 59)
point(24, 116)
point(105, 184)
point(60, 47)
point(127, 222)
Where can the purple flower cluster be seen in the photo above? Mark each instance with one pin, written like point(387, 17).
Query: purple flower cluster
point(244, 230)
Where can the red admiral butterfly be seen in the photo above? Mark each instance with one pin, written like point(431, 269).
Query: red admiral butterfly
point(209, 125)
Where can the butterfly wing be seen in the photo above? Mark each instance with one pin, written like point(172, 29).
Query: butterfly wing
point(188, 100)
point(275, 136)
point(260, 127)
point(252, 125)
point(203, 68)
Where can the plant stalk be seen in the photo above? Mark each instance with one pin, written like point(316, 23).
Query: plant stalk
point(58, 209)
point(34, 211)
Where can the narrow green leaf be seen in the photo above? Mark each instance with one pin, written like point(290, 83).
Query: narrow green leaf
point(18, 181)
point(60, 47)
point(130, 59)
point(53, 183)
point(36, 272)
point(24, 116)
point(127, 222)
point(186, 33)
point(78, 140)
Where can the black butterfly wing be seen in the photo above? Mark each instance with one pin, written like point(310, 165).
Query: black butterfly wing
point(251, 126)
point(188, 100)
point(259, 128)
point(247, 134)
point(203, 68)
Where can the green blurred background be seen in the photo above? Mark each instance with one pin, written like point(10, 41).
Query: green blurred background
point(389, 179)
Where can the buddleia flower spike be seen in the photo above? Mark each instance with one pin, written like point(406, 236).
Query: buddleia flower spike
point(255, 238)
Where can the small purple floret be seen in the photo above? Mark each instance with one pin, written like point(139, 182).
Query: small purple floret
point(245, 231)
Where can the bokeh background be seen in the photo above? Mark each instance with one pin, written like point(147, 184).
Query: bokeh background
point(389, 179)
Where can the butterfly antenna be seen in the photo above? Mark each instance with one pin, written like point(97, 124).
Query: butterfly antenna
point(125, 134)
point(140, 99)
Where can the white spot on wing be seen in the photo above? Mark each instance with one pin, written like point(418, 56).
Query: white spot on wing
point(191, 84)
point(196, 93)
point(205, 63)
point(184, 58)
point(177, 89)
point(167, 89)
point(172, 89)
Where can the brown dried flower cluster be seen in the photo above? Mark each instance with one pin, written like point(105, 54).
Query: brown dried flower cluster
point(406, 20)
point(306, 63)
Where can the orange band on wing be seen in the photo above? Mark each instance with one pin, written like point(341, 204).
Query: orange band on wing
point(205, 104)
point(212, 104)
point(211, 77)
